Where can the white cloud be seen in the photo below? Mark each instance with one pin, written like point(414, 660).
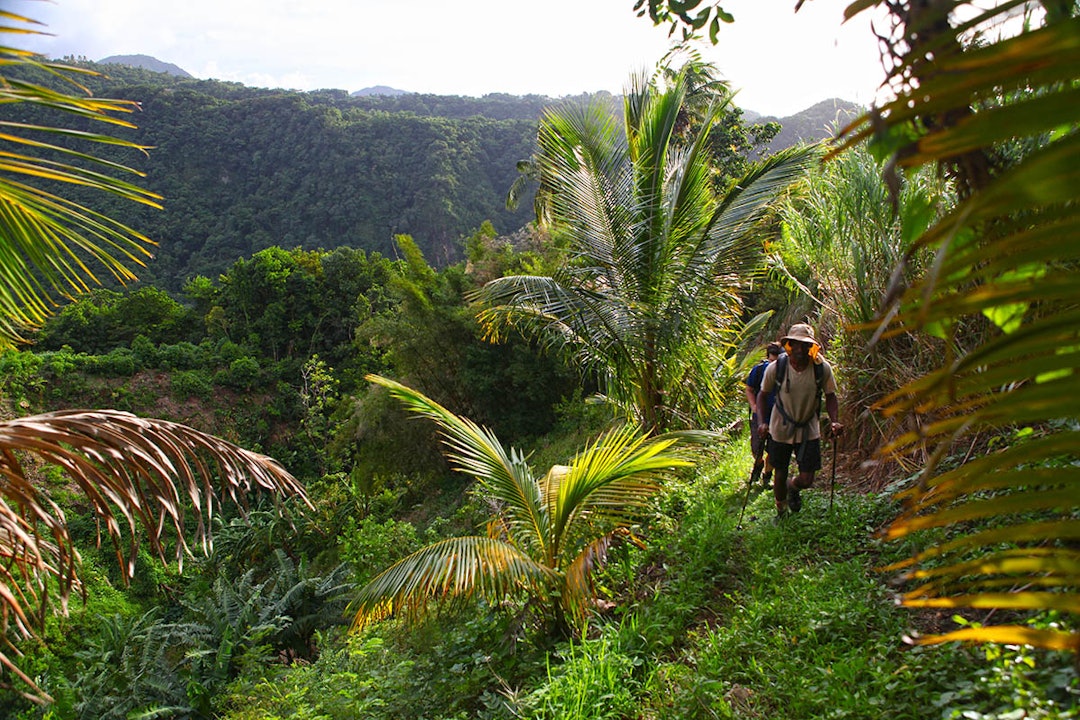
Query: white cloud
point(781, 61)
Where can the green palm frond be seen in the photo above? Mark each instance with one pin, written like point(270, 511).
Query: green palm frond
point(1001, 114)
point(477, 452)
point(461, 567)
point(49, 243)
point(658, 261)
point(614, 477)
point(550, 533)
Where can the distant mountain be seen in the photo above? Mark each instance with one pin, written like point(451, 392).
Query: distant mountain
point(380, 90)
point(147, 63)
point(817, 122)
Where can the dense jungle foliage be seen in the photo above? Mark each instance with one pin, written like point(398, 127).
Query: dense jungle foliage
point(486, 536)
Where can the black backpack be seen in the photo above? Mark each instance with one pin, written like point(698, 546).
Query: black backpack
point(781, 375)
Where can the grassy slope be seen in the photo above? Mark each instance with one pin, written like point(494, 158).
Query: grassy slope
point(783, 621)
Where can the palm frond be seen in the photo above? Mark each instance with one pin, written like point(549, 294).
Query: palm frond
point(578, 588)
point(46, 239)
point(476, 451)
point(462, 567)
point(1006, 255)
point(135, 472)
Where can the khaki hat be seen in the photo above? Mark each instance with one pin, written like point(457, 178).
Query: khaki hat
point(800, 332)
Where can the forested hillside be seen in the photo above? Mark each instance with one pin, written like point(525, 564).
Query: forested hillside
point(242, 169)
point(456, 466)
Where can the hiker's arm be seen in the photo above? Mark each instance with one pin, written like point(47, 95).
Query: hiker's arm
point(833, 408)
point(751, 398)
point(763, 420)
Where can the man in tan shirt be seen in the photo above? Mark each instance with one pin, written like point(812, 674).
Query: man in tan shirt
point(793, 427)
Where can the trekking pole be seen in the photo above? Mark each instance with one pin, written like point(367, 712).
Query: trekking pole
point(832, 480)
point(746, 499)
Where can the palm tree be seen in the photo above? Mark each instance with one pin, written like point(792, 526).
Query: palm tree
point(650, 300)
point(991, 98)
point(134, 471)
point(549, 532)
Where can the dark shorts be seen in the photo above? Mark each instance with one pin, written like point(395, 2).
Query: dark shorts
point(757, 442)
point(780, 455)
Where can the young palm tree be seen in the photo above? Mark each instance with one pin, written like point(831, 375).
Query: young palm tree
point(133, 471)
point(550, 532)
point(650, 299)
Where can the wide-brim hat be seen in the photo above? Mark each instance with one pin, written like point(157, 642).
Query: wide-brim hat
point(800, 332)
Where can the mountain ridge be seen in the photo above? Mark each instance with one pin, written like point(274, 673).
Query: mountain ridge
point(807, 125)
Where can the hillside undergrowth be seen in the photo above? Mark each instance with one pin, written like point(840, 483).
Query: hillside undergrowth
point(698, 619)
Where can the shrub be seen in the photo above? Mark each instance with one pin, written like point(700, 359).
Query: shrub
point(182, 356)
point(370, 546)
point(20, 375)
point(119, 362)
point(242, 374)
point(186, 384)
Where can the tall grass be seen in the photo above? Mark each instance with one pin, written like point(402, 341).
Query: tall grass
point(843, 240)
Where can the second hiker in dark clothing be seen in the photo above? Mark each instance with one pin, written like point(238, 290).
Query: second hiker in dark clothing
point(799, 378)
point(762, 466)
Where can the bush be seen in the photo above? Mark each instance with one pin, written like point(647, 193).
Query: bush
point(186, 384)
point(242, 374)
point(119, 362)
point(20, 376)
point(182, 356)
point(371, 546)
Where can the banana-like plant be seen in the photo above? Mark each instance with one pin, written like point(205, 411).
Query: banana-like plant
point(549, 532)
point(161, 476)
point(990, 94)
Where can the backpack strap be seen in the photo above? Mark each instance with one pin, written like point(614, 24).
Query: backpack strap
point(781, 374)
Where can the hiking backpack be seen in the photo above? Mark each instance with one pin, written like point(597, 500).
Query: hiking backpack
point(781, 374)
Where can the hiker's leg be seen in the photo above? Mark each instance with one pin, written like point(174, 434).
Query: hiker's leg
point(757, 449)
point(809, 464)
point(780, 455)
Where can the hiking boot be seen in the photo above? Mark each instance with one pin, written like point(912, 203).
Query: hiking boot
point(781, 512)
point(794, 499)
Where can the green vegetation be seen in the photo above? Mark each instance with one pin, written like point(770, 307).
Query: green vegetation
point(650, 302)
point(549, 532)
point(619, 585)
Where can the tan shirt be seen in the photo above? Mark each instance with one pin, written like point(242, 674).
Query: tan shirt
point(799, 397)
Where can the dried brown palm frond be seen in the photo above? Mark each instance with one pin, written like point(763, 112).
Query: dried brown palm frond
point(160, 476)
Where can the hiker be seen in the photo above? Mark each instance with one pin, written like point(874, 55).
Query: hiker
point(762, 466)
point(799, 377)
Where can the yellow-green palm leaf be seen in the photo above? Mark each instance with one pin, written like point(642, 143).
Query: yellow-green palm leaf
point(49, 245)
point(552, 531)
point(1001, 116)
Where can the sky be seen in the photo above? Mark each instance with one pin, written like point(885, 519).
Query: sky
point(780, 62)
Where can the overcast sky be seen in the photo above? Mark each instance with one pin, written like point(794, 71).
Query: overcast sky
point(779, 61)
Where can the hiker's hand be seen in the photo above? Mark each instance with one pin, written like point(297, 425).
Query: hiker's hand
point(837, 429)
point(763, 429)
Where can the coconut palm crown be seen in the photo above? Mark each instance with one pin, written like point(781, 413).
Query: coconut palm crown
point(549, 532)
point(650, 297)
